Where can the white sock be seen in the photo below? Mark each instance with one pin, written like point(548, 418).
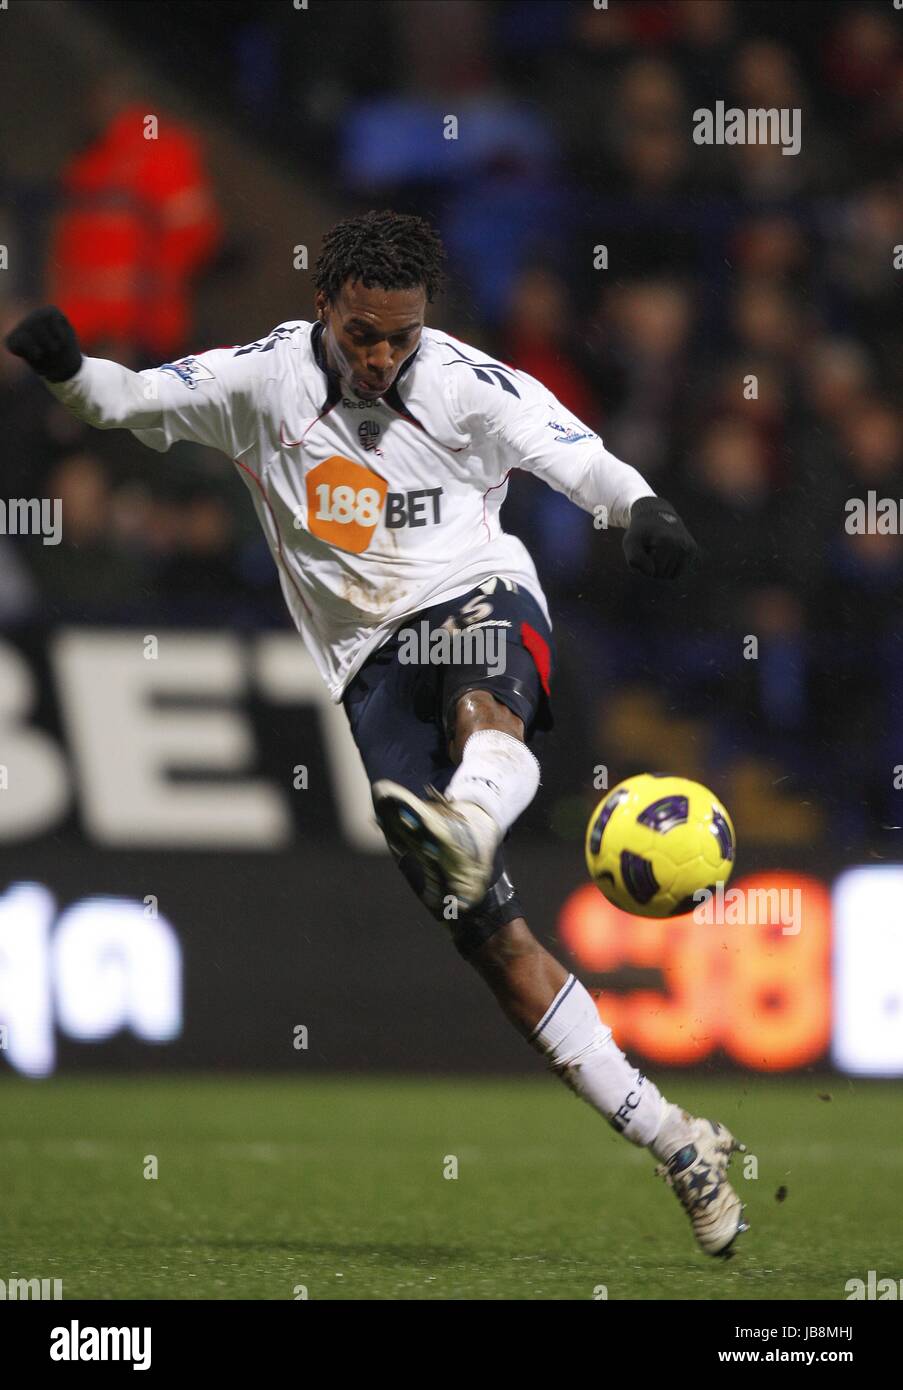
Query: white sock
point(497, 773)
point(581, 1050)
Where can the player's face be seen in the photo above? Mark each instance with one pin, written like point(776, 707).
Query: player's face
point(370, 334)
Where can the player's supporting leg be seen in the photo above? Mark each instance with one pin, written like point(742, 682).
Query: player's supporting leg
point(557, 1015)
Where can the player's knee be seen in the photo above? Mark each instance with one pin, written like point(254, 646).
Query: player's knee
point(479, 709)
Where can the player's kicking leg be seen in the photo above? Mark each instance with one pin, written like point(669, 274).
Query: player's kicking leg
point(454, 839)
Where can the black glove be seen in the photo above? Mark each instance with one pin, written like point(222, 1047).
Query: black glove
point(47, 341)
point(657, 543)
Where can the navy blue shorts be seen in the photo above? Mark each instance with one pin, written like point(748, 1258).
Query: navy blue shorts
point(402, 711)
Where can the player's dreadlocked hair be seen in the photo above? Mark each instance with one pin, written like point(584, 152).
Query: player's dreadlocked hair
point(391, 250)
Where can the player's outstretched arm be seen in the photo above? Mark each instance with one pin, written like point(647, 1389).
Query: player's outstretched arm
point(100, 392)
point(207, 399)
point(540, 435)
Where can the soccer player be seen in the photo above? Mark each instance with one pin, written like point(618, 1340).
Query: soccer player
point(377, 451)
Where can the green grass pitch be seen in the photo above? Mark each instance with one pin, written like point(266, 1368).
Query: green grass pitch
point(338, 1185)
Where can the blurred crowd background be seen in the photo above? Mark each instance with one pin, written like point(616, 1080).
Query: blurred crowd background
point(575, 132)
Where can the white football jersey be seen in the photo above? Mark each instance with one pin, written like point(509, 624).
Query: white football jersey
point(373, 510)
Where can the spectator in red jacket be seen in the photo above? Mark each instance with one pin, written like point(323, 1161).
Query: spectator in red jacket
point(137, 221)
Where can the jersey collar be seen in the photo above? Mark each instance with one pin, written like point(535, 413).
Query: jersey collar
point(333, 379)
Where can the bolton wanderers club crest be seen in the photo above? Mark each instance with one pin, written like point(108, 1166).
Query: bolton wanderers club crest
point(368, 432)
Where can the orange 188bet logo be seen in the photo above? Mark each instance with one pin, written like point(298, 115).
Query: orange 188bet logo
point(344, 503)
